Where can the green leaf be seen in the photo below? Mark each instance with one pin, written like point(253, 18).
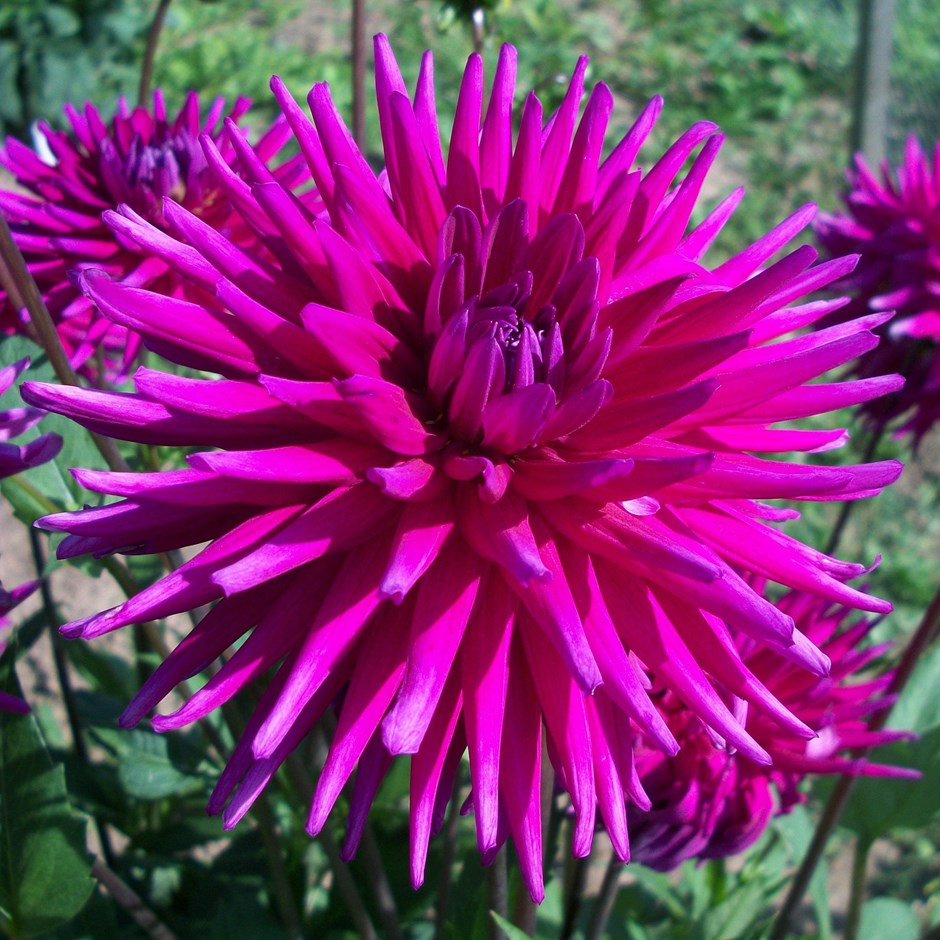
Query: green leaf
point(146, 771)
point(466, 919)
point(511, 930)
point(44, 872)
point(879, 804)
point(738, 915)
point(918, 709)
point(888, 917)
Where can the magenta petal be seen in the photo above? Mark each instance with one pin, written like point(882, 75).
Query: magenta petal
point(386, 410)
point(444, 602)
point(552, 606)
point(375, 680)
point(485, 678)
point(314, 533)
point(501, 532)
point(422, 530)
point(520, 771)
point(343, 615)
point(563, 708)
point(427, 767)
point(515, 420)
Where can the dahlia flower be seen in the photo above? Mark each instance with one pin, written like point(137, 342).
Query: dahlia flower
point(893, 223)
point(13, 459)
point(709, 803)
point(137, 160)
point(476, 455)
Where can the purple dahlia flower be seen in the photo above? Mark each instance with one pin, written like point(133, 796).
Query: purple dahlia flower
point(709, 803)
point(893, 223)
point(137, 160)
point(13, 459)
point(482, 456)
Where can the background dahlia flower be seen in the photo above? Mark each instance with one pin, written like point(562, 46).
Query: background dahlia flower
point(894, 224)
point(13, 459)
point(136, 161)
point(709, 803)
point(484, 446)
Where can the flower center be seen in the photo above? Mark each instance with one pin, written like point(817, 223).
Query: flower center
point(145, 171)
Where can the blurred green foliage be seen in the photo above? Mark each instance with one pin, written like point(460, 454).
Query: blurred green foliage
point(71, 50)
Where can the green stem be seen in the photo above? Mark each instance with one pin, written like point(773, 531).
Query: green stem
point(576, 870)
point(127, 898)
point(358, 44)
point(280, 879)
point(150, 52)
point(497, 893)
point(926, 632)
point(451, 829)
point(342, 877)
point(371, 859)
point(853, 915)
point(606, 898)
point(60, 662)
point(871, 446)
point(21, 283)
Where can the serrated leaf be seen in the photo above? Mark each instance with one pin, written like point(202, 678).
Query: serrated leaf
point(45, 875)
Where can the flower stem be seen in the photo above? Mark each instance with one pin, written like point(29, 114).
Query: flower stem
point(22, 284)
point(150, 52)
point(345, 884)
point(280, 880)
point(923, 637)
point(607, 896)
point(497, 893)
point(871, 446)
point(127, 898)
point(576, 870)
point(358, 43)
point(853, 915)
point(375, 872)
point(61, 665)
point(369, 853)
point(451, 828)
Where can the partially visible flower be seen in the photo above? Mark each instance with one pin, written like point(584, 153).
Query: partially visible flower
point(137, 160)
point(894, 224)
point(480, 452)
point(9, 600)
point(13, 459)
point(709, 801)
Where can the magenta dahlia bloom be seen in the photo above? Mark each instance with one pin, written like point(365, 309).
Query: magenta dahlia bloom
point(894, 225)
point(709, 802)
point(137, 160)
point(13, 459)
point(482, 449)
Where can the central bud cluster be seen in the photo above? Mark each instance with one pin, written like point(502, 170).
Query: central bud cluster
point(148, 169)
point(516, 353)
